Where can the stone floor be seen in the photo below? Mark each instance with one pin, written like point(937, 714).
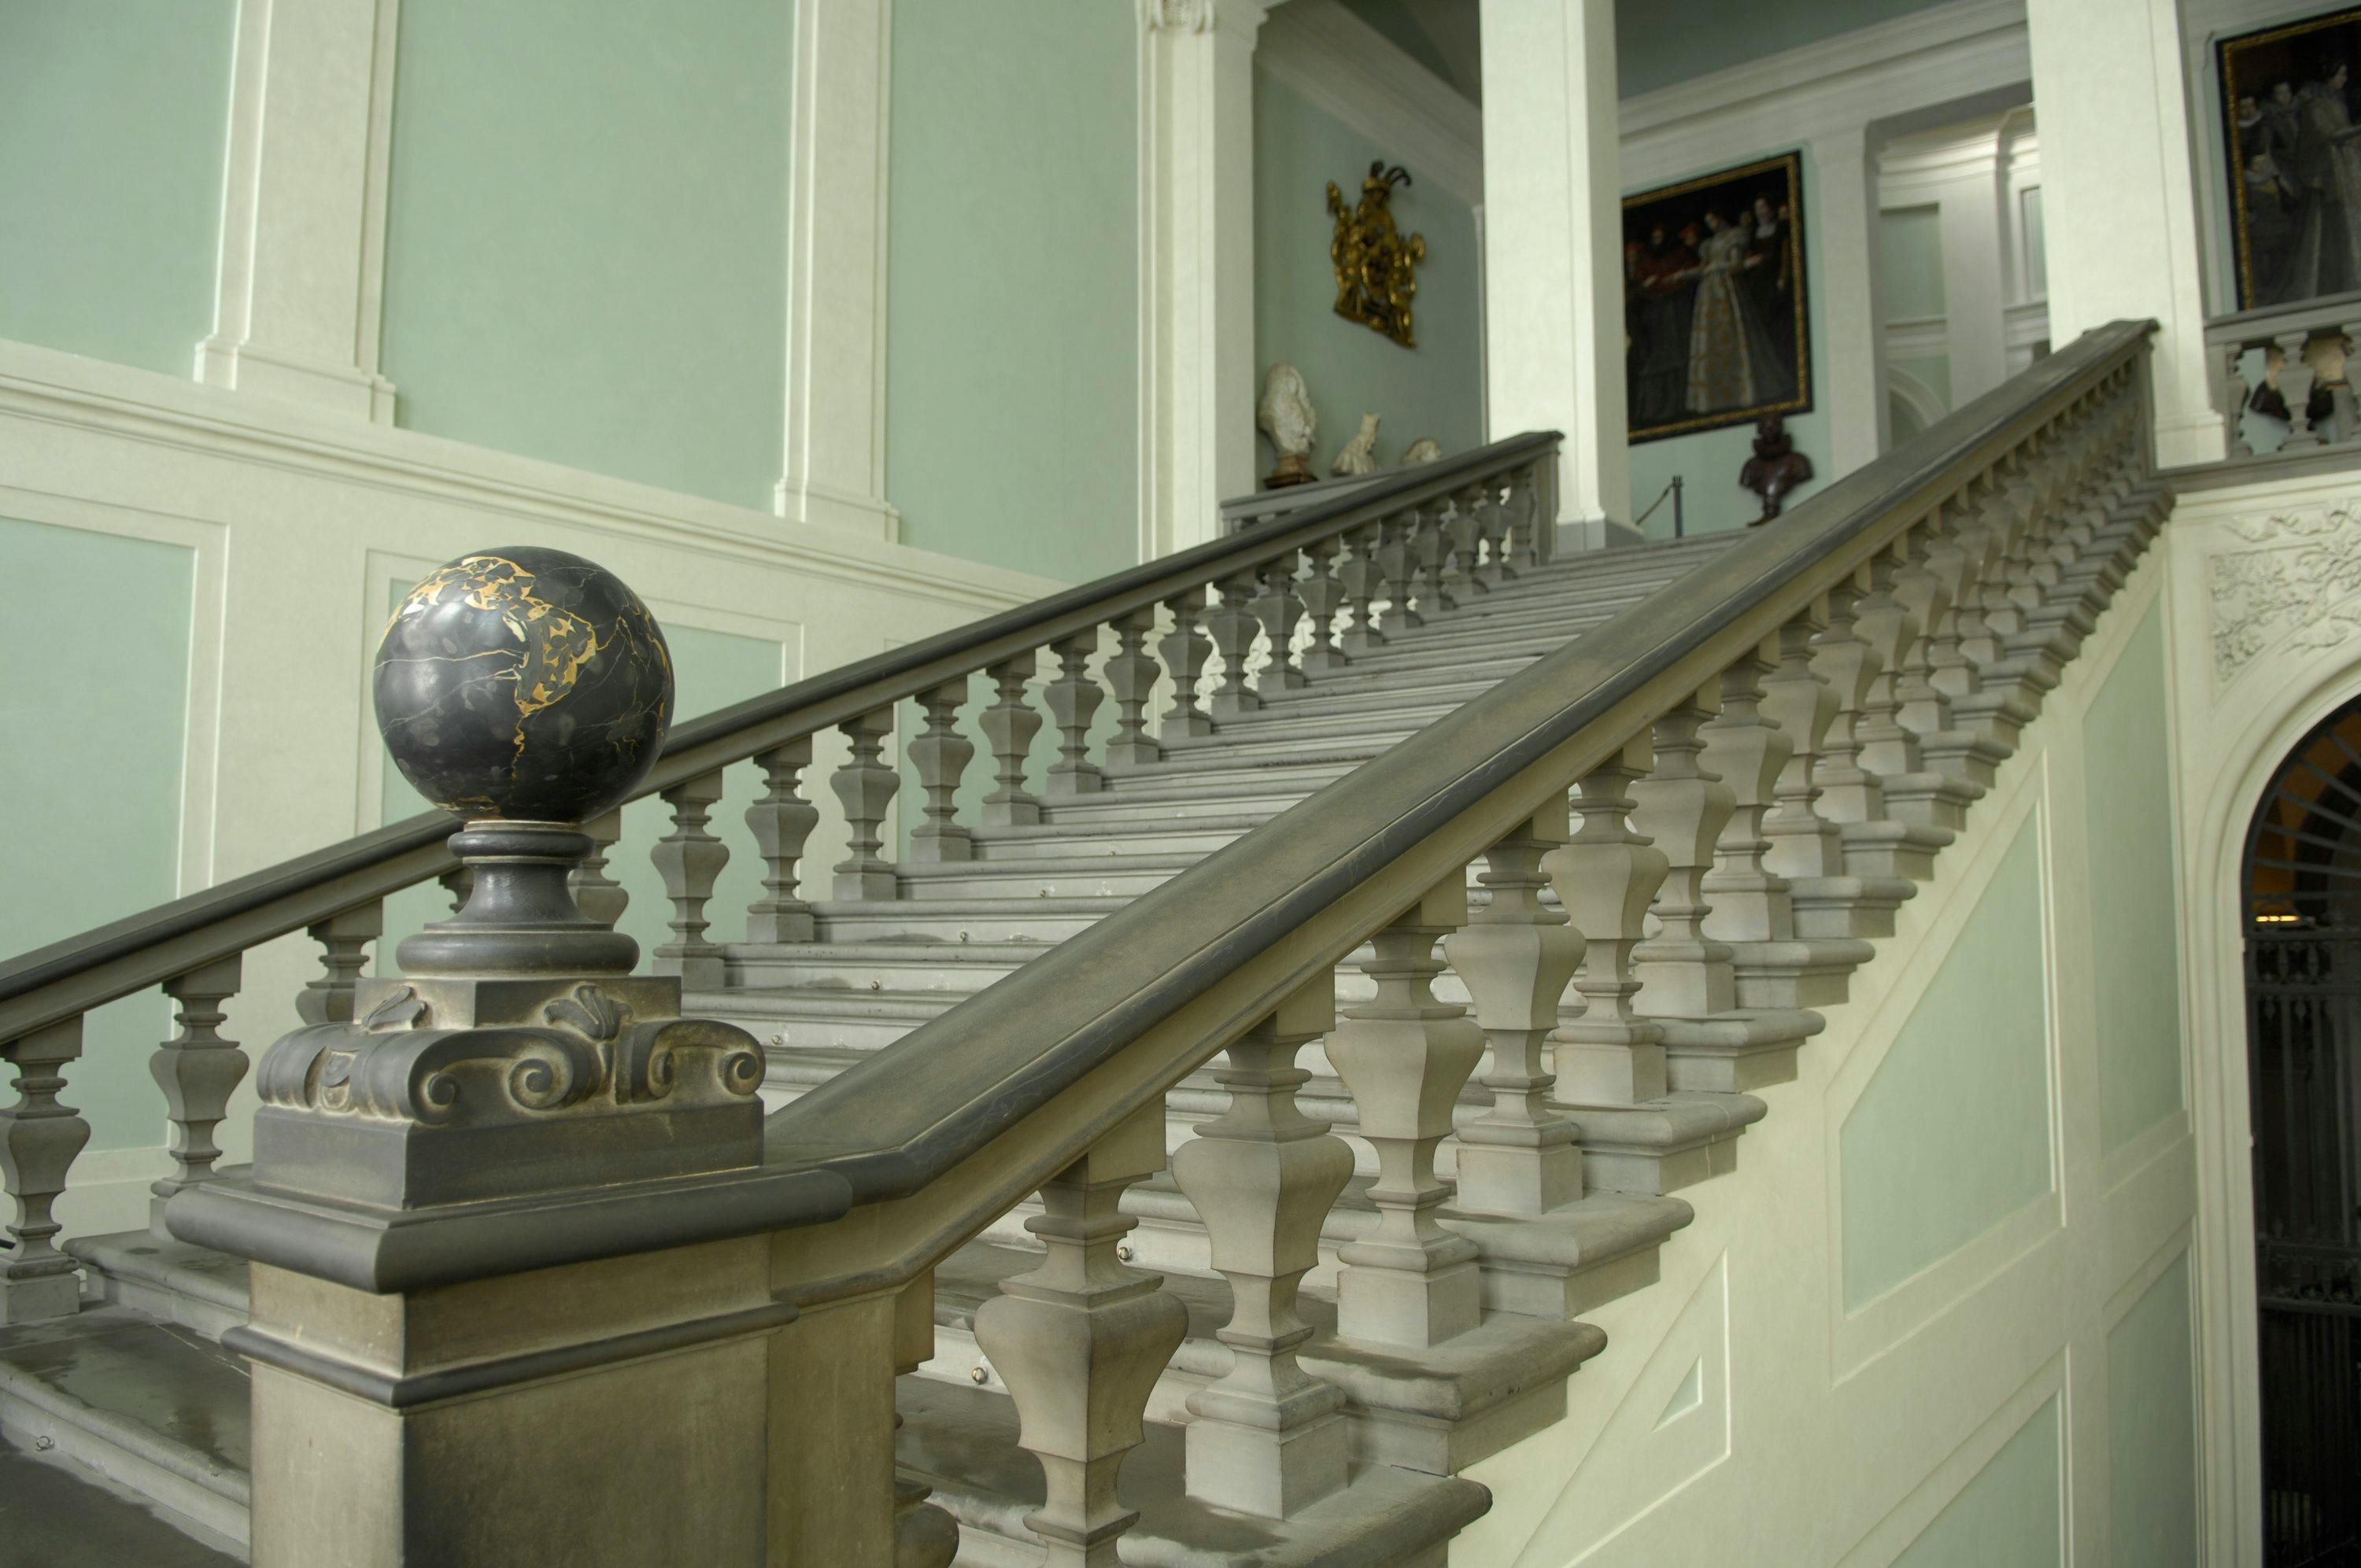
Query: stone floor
point(54, 1515)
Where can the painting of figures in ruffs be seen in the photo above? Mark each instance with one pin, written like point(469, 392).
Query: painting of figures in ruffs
point(2295, 158)
point(1716, 330)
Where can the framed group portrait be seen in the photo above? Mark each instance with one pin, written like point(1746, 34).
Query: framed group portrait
point(2293, 159)
point(1717, 324)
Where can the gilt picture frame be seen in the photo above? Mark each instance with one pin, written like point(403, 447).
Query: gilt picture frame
point(2293, 157)
point(1717, 300)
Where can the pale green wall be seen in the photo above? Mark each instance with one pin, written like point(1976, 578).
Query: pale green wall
point(113, 123)
point(1910, 262)
point(1934, 372)
point(1436, 389)
point(1952, 1135)
point(98, 628)
point(586, 242)
point(712, 669)
point(1011, 405)
point(1709, 461)
point(2011, 1512)
point(2152, 1428)
point(2134, 935)
point(1659, 42)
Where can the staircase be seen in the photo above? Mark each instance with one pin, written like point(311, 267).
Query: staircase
point(1768, 738)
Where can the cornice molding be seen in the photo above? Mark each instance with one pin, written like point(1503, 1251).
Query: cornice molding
point(1344, 66)
point(1835, 87)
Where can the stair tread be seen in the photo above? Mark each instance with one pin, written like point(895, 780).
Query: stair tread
point(119, 1369)
point(53, 1512)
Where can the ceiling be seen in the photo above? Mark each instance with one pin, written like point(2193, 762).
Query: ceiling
point(1441, 35)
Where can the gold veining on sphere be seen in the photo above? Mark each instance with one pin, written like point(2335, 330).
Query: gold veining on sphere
point(526, 684)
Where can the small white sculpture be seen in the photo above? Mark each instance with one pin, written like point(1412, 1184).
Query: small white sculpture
point(1288, 417)
point(1425, 449)
point(1359, 454)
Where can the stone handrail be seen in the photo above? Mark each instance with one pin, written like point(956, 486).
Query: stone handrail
point(68, 978)
point(1256, 921)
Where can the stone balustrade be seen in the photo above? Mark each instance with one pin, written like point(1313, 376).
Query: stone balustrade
point(1719, 842)
point(2279, 375)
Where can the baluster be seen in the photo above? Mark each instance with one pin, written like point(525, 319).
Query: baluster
point(39, 1141)
point(864, 787)
point(1277, 608)
point(1073, 700)
point(1323, 597)
point(197, 1070)
point(2295, 379)
point(1966, 761)
point(1131, 676)
point(344, 939)
point(1516, 958)
point(2232, 396)
point(1268, 1437)
point(1009, 725)
point(2348, 410)
point(1807, 848)
point(925, 1536)
point(1606, 876)
point(690, 859)
point(1232, 626)
point(1404, 1057)
point(1397, 559)
point(1749, 904)
point(1080, 1340)
point(1492, 525)
point(1803, 843)
point(596, 893)
point(1877, 848)
point(1889, 748)
point(1529, 498)
point(1681, 808)
point(1365, 583)
point(1433, 547)
point(1183, 649)
point(782, 822)
point(941, 754)
point(1467, 534)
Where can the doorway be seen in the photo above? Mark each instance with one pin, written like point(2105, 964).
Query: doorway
point(2303, 928)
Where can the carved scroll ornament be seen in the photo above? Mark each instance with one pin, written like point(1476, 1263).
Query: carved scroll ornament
point(1376, 280)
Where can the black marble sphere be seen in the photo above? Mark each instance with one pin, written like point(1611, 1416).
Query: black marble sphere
point(523, 684)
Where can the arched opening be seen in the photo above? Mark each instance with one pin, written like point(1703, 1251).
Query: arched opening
point(2302, 919)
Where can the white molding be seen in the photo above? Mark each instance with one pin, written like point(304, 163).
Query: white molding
point(302, 270)
point(140, 406)
point(1344, 67)
point(1867, 74)
point(1917, 337)
point(1196, 265)
point(833, 463)
point(1925, 405)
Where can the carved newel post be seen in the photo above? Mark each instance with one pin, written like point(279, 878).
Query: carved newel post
point(497, 1317)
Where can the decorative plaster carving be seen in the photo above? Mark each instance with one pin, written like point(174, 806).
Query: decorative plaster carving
point(1177, 16)
point(2296, 588)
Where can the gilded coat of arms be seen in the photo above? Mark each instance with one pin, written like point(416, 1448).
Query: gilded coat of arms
point(1375, 282)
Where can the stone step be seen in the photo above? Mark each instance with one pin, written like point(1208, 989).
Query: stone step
point(153, 1406)
point(55, 1511)
point(1093, 839)
point(959, 920)
point(1242, 740)
point(1125, 875)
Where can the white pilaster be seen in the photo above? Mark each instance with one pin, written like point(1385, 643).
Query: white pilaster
point(1196, 249)
point(1552, 247)
point(2119, 182)
point(835, 472)
point(303, 259)
point(1853, 380)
